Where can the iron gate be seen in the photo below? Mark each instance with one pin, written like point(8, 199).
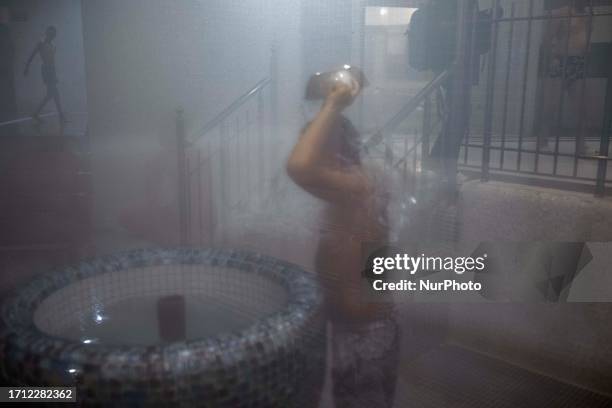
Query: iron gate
point(508, 143)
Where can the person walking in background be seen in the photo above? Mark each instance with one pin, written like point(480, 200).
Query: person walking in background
point(565, 47)
point(46, 49)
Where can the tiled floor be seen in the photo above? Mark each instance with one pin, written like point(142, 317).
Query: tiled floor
point(453, 377)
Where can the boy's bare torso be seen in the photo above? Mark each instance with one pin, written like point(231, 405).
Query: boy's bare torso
point(47, 53)
point(326, 163)
point(344, 231)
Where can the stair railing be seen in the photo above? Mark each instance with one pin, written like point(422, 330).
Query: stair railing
point(225, 168)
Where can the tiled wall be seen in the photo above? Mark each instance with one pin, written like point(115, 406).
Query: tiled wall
point(572, 341)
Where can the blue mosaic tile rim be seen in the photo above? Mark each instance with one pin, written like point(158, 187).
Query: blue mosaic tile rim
point(297, 325)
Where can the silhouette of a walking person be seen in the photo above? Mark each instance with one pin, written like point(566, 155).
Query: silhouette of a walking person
point(46, 49)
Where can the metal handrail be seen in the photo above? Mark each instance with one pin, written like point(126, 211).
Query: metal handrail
point(231, 109)
point(407, 109)
point(26, 119)
point(31, 118)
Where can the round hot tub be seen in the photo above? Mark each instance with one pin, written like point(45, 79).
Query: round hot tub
point(170, 327)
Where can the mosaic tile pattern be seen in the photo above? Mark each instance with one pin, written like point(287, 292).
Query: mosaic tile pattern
point(276, 362)
point(106, 308)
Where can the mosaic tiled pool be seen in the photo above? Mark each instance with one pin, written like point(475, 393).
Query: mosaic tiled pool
point(170, 327)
